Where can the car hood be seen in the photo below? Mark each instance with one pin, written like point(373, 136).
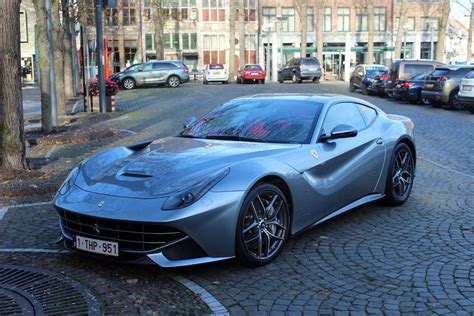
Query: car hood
point(166, 166)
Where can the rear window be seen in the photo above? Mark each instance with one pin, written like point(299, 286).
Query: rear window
point(252, 67)
point(371, 70)
point(216, 67)
point(413, 69)
point(419, 76)
point(461, 72)
point(470, 75)
point(310, 61)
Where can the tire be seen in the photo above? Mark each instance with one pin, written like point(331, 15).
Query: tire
point(400, 176)
point(238, 81)
point(262, 81)
point(128, 83)
point(351, 87)
point(364, 90)
point(205, 82)
point(225, 82)
point(470, 109)
point(424, 101)
point(454, 102)
point(280, 79)
point(260, 237)
point(173, 81)
point(295, 79)
point(316, 80)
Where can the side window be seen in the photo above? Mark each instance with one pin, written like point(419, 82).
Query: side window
point(343, 113)
point(368, 114)
point(147, 67)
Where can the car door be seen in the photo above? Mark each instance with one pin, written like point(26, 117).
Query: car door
point(359, 75)
point(159, 74)
point(143, 73)
point(286, 72)
point(345, 169)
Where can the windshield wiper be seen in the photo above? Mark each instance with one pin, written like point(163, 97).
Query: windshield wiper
point(234, 137)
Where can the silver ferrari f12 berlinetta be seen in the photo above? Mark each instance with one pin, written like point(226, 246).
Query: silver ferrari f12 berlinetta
point(237, 182)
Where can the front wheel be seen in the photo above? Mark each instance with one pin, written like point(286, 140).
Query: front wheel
point(174, 81)
point(128, 83)
point(262, 226)
point(400, 175)
point(351, 87)
point(295, 79)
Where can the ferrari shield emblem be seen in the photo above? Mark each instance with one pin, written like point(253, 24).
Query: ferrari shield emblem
point(314, 153)
point(101, 203)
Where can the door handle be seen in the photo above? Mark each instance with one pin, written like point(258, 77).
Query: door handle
point(379, 141)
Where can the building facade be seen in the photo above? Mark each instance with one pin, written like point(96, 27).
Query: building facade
point(28, 40)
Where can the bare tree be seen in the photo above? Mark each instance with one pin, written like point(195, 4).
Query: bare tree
point(469, 36)
point(319, 25)
point(232, 41)
point(58, 44)
point(371, 31)
point(44, 45)
point(12, 146)
point(302, 10)
point(68, 50)
point(242, 58)
point(443, 24)
point(160, 17)
point(401, 23)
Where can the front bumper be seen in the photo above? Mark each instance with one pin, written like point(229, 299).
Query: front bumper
point(434, 96)
point(466, 101)
point(203, 232)
point(217, 78)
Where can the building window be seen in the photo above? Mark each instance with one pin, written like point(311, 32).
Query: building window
point(361, 20)
point(114, 54)
point(90, 12)
point(427, 21)
point(129, 12)
point(343, 19)
point(310, 25)
point(425, 50)
point(130, 50)
point(380, 19)
point(250, 49)
point(269, 18)
point(214, 49)
point(23, 27)
point(250, 10)
point(327, 27)
point(409, 23)
point(289, 22)
point(149, 41)
point(213, 10)
point(111, 17)
point(188, 40)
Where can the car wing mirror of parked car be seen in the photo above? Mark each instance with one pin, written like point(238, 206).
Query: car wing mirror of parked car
point(189, 122)
point(340, 131)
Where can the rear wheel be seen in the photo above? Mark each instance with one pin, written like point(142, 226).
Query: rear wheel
point(174, 81)
point(128, 83)
point(455, 103)
point(400, 175)
point(262, 226)
point(262, 81)
point(364, 90)
point(205, 81)
point(351, 86)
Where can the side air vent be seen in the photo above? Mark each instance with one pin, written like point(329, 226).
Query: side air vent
point(136, 175)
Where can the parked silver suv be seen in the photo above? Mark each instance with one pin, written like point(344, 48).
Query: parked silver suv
point(170, 72)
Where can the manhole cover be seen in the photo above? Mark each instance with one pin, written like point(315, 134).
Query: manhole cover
point(32, 291)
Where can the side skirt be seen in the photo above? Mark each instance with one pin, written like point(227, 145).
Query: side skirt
point(364, 200)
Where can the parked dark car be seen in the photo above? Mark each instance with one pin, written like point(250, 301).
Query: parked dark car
point(299, 69)
point(378, 84)
point(402, 69)
point(410, 89)
point(363, 76)
point(170, 72)
point(442, 86)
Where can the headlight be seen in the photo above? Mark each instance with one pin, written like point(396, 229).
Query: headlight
point(189, 196)
point(71, 178)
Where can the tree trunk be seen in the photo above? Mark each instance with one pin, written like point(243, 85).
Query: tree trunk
point(12, 140)
point(469, 36)
point(159, 23)
point(242, 59)
point(44, 64)
point(303, 15)
point(443, 24)
point(68, 72)
point(319, 25)
point(401, 23)
point(232, 41)
point(58, 44)
point(371, 29)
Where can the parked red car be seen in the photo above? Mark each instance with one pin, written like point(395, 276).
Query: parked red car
point(251, 73)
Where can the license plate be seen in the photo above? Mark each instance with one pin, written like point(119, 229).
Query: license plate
point(467, 88)
point(399, 85)
point(103, 247)
point(429, 85)
point(217, 72)
point(254, 73)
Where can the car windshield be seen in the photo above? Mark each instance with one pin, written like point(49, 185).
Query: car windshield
point(259, 120)
point(252, 67)
point(375, 71)
point(216, 67)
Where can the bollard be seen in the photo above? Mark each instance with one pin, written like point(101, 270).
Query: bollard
point(112, 103)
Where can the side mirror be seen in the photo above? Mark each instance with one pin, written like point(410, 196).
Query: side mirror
point(189, 122)
point(341, 131)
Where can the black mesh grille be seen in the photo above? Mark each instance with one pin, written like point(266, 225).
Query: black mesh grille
point(132, 237)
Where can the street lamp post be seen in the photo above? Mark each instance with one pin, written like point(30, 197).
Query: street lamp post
point(99, 6)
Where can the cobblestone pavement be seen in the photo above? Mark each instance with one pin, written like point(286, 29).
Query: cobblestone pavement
point(417, 258)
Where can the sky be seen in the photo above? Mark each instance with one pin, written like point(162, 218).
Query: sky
point(459, 12)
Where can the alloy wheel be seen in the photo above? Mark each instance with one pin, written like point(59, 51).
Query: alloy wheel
point(456, 104)
point(128, 84)
point(173, 81)
point(265, 225)
point(402, 174)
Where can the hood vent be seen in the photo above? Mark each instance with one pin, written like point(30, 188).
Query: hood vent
point(136, 175)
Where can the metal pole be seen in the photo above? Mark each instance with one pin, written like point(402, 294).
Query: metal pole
point(52, 78)
point(100, 53)
point(405, 45)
